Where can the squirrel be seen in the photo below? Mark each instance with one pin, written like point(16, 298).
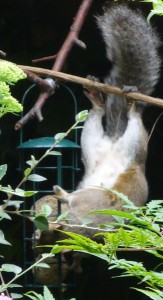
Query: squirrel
point(114, 155)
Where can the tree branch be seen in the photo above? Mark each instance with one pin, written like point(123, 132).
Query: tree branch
point(105, 88)
point(72, 38)
point(47, 87)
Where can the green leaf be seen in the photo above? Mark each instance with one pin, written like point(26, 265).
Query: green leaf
point(81, 242)
point(62, 217)
point(16, 296)
point(3, 170)
point(114, 213)
point(41, 222)
point(18, 192)
point(15, 203)
point(14, 285)
point(46, 255)
point(32, 162)
point(56, 249)
point(153, 204)
point(54, 153)
point(155, 253)
point(150, 294)
point(47, 294)
point(30, 193)
point(47, 210)
point(85, 221)
point(36, 178)
point(81, 116)
point(60, 136)
point(3, 214)
point(11, 268)
point(101, 256)
point(27, 172)
point(35, 297)
point(43, 265)
point(129, 203)
point(2, 239)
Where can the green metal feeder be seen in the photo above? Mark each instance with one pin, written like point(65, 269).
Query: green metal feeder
point(60, 169)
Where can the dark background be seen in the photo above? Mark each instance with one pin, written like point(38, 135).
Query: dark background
point(32, 29)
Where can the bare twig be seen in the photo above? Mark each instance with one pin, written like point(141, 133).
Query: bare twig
point(46, 58)
point(47, 88)
point(105, 88)
point(72, 38)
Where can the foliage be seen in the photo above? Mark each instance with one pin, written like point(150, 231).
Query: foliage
point(40, 220)
point(128, 236)
point(137, 228)
point(46, 295)
point(157, 8)
point(9, 74)
point(140, 229)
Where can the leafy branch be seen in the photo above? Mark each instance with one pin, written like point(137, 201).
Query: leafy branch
point(33, 163)
point(140, 229)
point(80, 117)
point(18, 271)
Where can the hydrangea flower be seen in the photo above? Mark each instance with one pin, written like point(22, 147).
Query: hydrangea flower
point(10, 72)
point(8, 104)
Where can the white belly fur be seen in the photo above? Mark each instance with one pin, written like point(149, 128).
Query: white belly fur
point(107, 164)
point(108, 159)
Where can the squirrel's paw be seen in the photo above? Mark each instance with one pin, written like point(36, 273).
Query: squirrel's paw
point(129, 89)
point(93, 94)
point(133, 89)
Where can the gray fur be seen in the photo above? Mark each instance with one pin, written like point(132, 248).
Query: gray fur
point(115, 158)
point(132, 47)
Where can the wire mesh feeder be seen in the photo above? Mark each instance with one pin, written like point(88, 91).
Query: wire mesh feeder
point(59, 169)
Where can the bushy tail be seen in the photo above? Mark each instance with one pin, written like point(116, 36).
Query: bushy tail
point(132, 47)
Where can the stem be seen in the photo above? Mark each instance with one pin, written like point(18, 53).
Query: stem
point(87, 227)
point(25, 178)
point(3, 283)
point(18, 213)
point(3, 287)
point(137, 249)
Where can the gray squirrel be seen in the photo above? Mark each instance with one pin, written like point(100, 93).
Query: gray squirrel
point(114, 157)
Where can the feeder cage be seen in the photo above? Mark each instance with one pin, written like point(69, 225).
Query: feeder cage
point(59, 168)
